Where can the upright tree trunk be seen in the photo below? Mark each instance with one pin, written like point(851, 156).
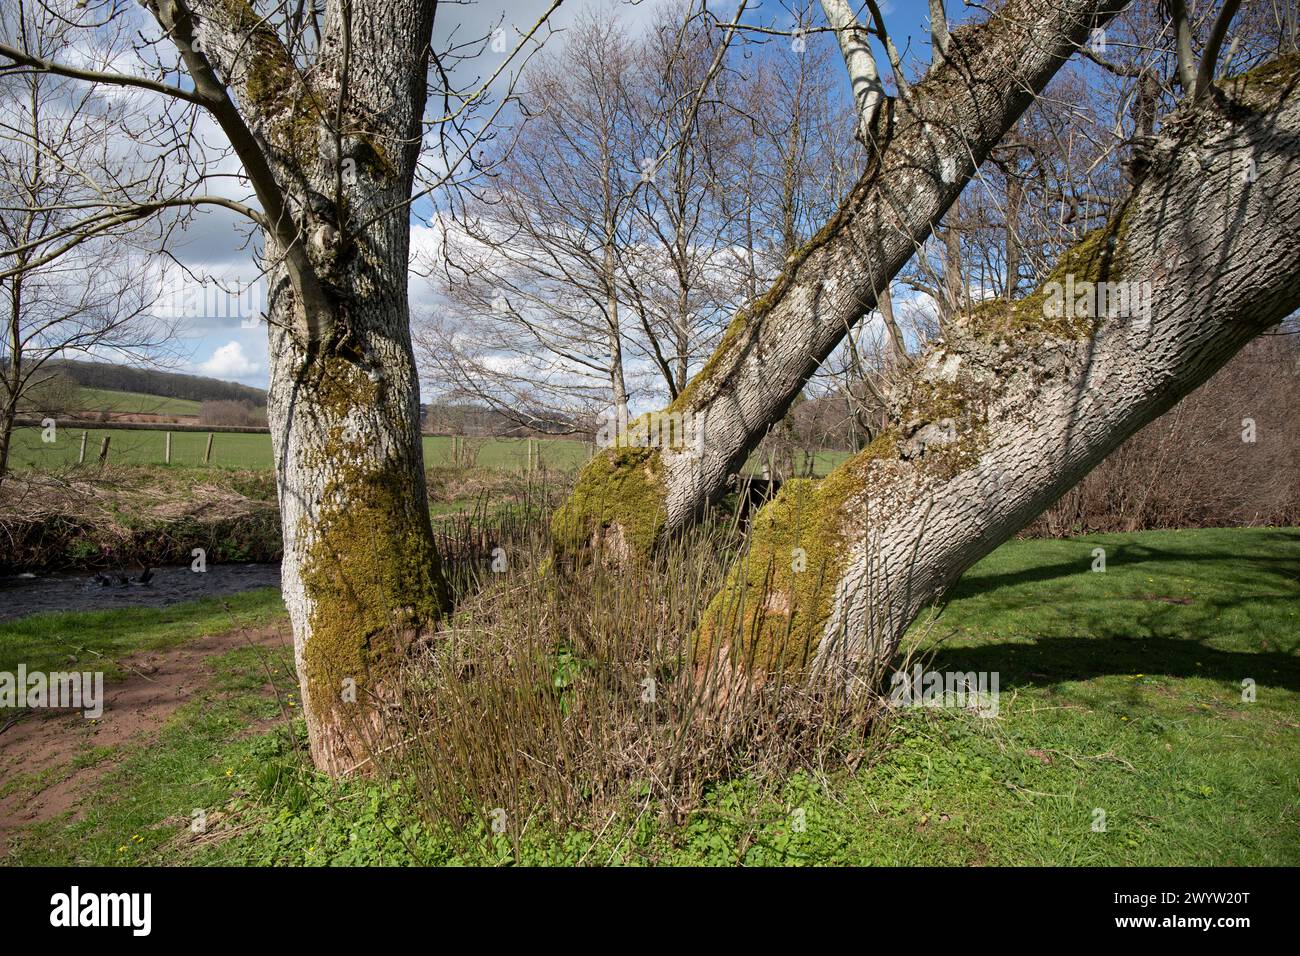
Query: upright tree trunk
point(13, 372)
point(895, 348)
point(1023, 399)
point(1011, 238)
point(952, 289)
point(361, 577)
point(8, 413)
point(331, 153)
point(930, 145)
point(617, 383)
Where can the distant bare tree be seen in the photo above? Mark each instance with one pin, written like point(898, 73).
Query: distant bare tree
point(228, 412)
point(657, 183)
point(64, 295)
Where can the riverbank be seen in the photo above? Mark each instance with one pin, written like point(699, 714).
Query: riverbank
point(121, 517)
point(125, 518)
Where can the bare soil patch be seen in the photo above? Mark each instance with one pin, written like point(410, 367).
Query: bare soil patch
point(48, 743)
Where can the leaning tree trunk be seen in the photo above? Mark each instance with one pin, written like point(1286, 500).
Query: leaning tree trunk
point(331, 152)
point(927, 147)
point(1023, 399)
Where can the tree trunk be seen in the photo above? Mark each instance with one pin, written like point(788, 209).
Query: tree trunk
point(952, 287)
point(1011, 238)
point(7, 415)
point(331, 153)
point(614, 332)
point(1023, 399)
point(13, 372)
point(361, 577)
point(931, 143)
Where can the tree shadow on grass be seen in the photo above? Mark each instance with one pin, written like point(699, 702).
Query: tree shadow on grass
point(1054, 660)
point(1126, 555)
point(1255, 595)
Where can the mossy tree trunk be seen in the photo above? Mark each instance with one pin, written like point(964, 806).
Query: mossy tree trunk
point(926, 147)
point(1022, 399)
point(361, 576)
point(331, 153)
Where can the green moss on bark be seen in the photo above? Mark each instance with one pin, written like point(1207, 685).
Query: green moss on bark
point(372, 578)
point(770, 613)
point(1266, 82)
point(731, 336)
point(619, 498)
point(1097, 257)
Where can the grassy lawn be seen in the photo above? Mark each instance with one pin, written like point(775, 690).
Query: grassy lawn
point(1121, 695)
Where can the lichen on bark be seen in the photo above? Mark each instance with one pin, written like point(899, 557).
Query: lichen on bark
point(291, 111)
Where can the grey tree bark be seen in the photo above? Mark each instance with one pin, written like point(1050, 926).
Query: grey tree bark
point(927, 145)
point(332, 157)
point(1022, 399)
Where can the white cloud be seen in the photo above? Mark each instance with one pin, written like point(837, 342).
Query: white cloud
point(230, 362)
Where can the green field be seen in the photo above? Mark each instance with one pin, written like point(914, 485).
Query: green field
point(130, 446)
point(133, 403)
point(244, 450)
point(1121, 694)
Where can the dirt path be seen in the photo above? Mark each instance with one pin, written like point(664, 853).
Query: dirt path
point(157, 683)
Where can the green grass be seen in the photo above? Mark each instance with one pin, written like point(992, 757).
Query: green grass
point(134, 403)
point(130, 446)
point(824, 462)
point(1120, 691)
point(243, 450)
point(509, 454)
point(150, 792)
point(239, 450)
point(98, 638)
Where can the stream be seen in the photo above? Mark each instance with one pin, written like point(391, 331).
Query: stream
point(24, 594)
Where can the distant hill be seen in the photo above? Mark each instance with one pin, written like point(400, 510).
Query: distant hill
point(147, 381)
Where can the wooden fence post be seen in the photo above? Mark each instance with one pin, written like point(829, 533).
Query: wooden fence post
point(103, 450)
point(207, 454)
point(81, 455)
point(167, 450)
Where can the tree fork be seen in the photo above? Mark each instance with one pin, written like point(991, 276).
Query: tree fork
point(1024, 398)
point(933, 141)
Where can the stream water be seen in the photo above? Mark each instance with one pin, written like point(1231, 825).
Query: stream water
point(24, 594)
